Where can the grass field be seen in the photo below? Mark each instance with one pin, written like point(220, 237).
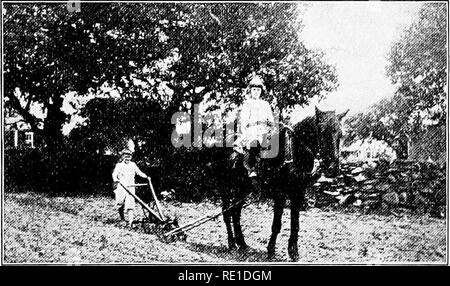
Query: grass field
point(71, 230)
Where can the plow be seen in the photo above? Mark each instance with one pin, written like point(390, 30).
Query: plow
point(154, 221)
point(166, 228)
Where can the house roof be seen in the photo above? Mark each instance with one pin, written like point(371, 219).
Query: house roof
point(12, 120)
point(16, 122)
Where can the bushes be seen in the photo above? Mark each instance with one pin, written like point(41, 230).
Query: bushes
point(188, 173)
point(73, 171)
point(65, 171)
point(23, 169)
point(79, 166)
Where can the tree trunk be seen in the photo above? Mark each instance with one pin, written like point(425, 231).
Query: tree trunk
point(24, 112)
point(52, 132)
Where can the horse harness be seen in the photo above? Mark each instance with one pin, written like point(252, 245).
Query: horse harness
point(289, 156)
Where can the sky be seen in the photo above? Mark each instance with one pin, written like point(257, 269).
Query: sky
point(356, 37)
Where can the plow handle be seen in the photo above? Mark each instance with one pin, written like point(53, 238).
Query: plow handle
point(144, 205)
point(158, 206)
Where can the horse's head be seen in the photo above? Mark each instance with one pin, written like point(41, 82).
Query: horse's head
point(329, 133)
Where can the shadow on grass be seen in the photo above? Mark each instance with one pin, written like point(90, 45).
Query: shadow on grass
point(248, 255)
point(38, 202)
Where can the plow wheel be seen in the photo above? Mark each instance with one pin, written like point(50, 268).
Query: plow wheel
point(159, 228)
point(156, 222)
point(169, 225)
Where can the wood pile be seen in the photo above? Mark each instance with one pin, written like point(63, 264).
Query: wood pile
point(403, 184)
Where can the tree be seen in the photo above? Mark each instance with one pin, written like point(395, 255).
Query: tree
point(418, 63)
point(50, 51)
point(382, 121)
point(223, 44)
point(110, 121)
point(158, 57)
point(418, 68)
point(171, 53)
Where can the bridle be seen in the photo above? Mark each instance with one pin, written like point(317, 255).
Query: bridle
point(289, 155)
point(288, 142)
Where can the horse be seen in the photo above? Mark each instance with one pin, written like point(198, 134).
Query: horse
point(286, 176)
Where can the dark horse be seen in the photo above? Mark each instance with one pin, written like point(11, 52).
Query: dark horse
point(282, 177)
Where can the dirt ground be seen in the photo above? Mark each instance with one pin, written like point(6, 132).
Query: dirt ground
point(72, 230)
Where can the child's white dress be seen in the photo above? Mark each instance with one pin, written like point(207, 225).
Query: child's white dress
point(254, 118)
point(126, 173)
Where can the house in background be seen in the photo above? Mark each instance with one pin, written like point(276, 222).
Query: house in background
point(427, 144)
point(368, 149)
point(18, 134)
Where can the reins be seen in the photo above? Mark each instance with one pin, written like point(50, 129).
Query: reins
point(207, 218)
point(301, 142)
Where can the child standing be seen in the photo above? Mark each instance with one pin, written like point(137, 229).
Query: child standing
point(124, 172)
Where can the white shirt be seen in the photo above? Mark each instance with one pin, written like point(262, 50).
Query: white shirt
point(126, 172)
point(255, 113)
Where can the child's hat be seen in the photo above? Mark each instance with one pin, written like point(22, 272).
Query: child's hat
point(257, 81)
point(126, 152)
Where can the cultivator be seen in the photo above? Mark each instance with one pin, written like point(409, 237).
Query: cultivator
point(155, 222)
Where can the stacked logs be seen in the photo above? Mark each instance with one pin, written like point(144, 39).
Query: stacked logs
point(375, 186)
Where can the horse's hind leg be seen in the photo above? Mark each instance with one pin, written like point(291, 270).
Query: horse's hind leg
point(227, 220)
point(295, 214)
point(278, 208)
point(240, 241)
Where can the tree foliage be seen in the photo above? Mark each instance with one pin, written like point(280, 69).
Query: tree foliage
point(418, 69)
point(247, 38)
point(109, 123)
point(171, 53)
point(158, 57)
point(50, 51)
point(418, 64)
point(381, 121)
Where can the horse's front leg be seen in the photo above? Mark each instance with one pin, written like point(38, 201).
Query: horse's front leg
point(278, 208)
point(240, 241)
point(227, 220)
point(296, 202)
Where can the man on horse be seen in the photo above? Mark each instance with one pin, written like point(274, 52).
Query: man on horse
point(256, 123)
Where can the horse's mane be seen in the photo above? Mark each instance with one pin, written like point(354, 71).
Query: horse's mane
point(305, 142)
